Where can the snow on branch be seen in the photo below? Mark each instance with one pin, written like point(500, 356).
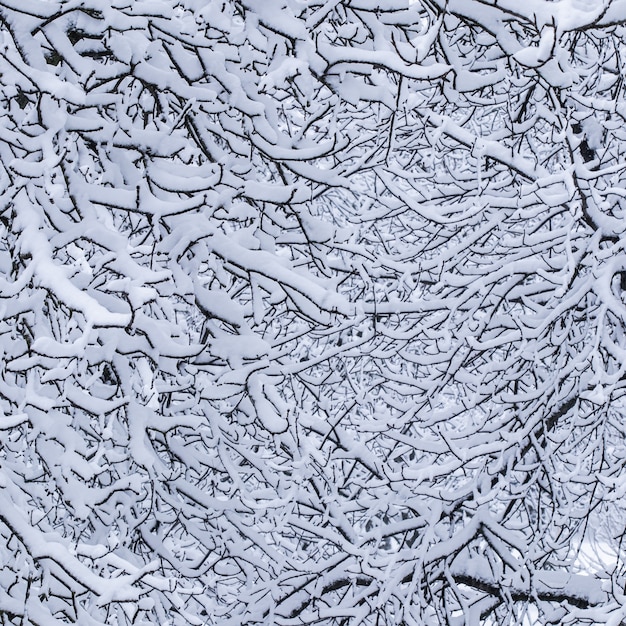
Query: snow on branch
point(312, 312)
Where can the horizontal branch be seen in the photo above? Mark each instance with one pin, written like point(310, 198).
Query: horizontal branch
point(547, 586)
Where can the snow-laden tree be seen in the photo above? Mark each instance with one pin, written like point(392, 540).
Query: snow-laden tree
point(312, 312)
